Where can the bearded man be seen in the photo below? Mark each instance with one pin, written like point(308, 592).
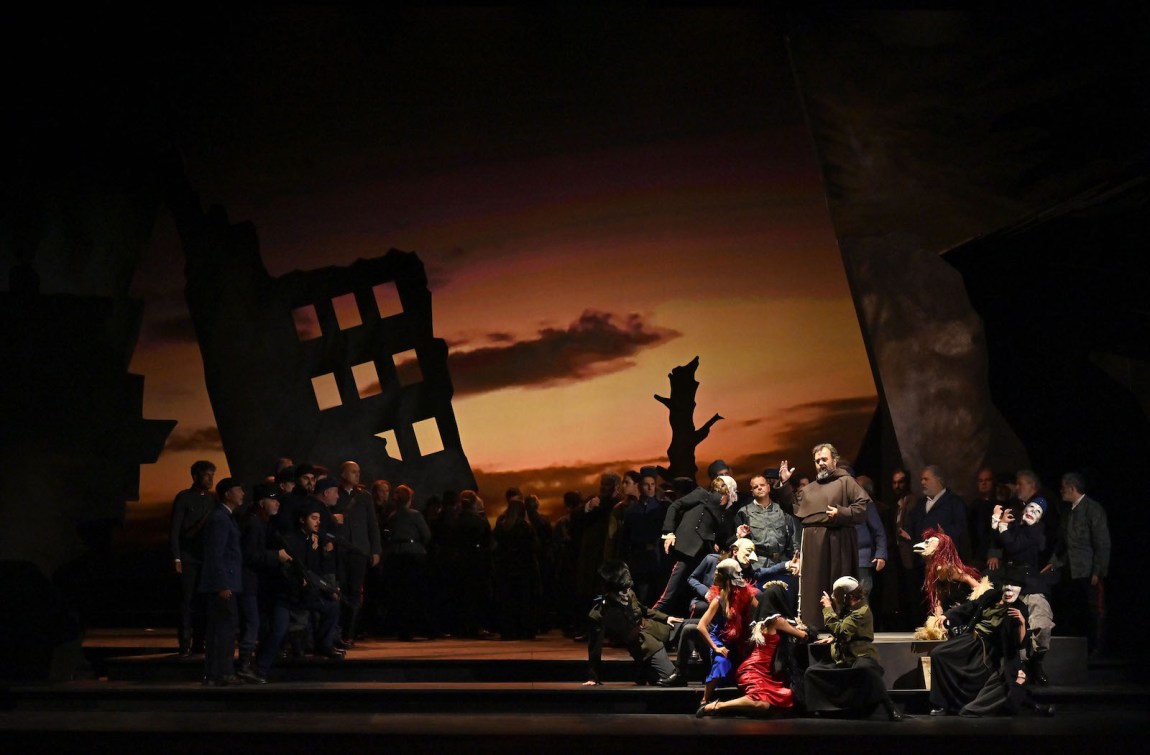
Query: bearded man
point(828, 509)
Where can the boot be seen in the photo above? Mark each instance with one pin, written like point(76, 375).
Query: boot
point(892, 713)
point(678, 677)
point(245, 670)
point(185, 645)
point(1034, 671)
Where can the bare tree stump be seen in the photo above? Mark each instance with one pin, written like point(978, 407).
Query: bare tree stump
point(681, 414)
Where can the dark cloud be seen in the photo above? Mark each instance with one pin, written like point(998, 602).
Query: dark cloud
point(598, 343)
point(841, 422)
point(438, 265)
point(752, 422)
point(438, 276)
point(500, 337)
point(195, 439)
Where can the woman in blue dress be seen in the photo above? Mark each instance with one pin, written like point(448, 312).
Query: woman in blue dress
point(724, 624)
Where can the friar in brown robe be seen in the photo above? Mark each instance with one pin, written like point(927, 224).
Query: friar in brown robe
point(828, 509)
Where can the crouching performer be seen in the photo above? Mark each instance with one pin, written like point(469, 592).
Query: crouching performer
point(978, 671)
point(766, 676)
point(620, 617)
point(851, 681)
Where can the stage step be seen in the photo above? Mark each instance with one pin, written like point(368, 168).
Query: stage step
point(381, 670)
point(304, 697)
point(135, 671)
point(547, 660)
point(288, 698)
point(1065, 664)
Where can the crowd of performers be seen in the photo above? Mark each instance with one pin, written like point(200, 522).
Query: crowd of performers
point(312, 561)
point(757, 643)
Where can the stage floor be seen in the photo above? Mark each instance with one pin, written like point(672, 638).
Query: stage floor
point(557, 656)
point(551, 646)
point(529, 714)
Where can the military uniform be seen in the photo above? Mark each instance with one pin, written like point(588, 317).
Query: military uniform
point(644, 631)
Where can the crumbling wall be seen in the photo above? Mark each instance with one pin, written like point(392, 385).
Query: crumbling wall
point(323, 366)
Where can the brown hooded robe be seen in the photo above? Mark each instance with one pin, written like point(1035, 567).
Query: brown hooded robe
point(830, 546)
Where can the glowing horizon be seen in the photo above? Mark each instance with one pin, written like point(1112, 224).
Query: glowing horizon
point(573, 260)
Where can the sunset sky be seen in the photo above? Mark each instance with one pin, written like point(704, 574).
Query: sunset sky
point(598, 197)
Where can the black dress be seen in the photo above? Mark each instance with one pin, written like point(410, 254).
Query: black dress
point(969, 671)
point(851, 680)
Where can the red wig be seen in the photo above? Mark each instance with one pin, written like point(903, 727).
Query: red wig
point(944, 561)
point(739, 601)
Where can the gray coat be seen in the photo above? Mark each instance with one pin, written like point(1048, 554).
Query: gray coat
point(1085, 542)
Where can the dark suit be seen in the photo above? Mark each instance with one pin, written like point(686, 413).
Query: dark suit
point(190, 511)
point(948, 512)
point(362, 532)
point(262, 578)
point(696, 520)
point(223, 570)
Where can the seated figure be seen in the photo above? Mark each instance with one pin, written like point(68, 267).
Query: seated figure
point(978, 671)
point(851, 681)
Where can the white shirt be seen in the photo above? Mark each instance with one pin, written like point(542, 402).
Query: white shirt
point(931, 501)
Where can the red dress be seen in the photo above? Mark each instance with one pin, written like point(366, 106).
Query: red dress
point(756, 679)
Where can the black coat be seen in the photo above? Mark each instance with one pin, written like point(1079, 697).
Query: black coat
point(261, 544)
point(360, 523)
point(223, 556)
point(948, 512)
point(306, 559)
point(697, 520)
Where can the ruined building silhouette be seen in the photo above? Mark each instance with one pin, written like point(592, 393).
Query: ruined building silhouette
point(323, 365)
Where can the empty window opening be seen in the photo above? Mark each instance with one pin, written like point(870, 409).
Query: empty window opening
point(346, 311)
point(306, 323)
point(326, 391)
point(366, 379)
point(392, 447)
point(427, 436)
point(387, 299)
point(407, 369)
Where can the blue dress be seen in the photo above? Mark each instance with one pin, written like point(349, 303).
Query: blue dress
point(722, 668)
